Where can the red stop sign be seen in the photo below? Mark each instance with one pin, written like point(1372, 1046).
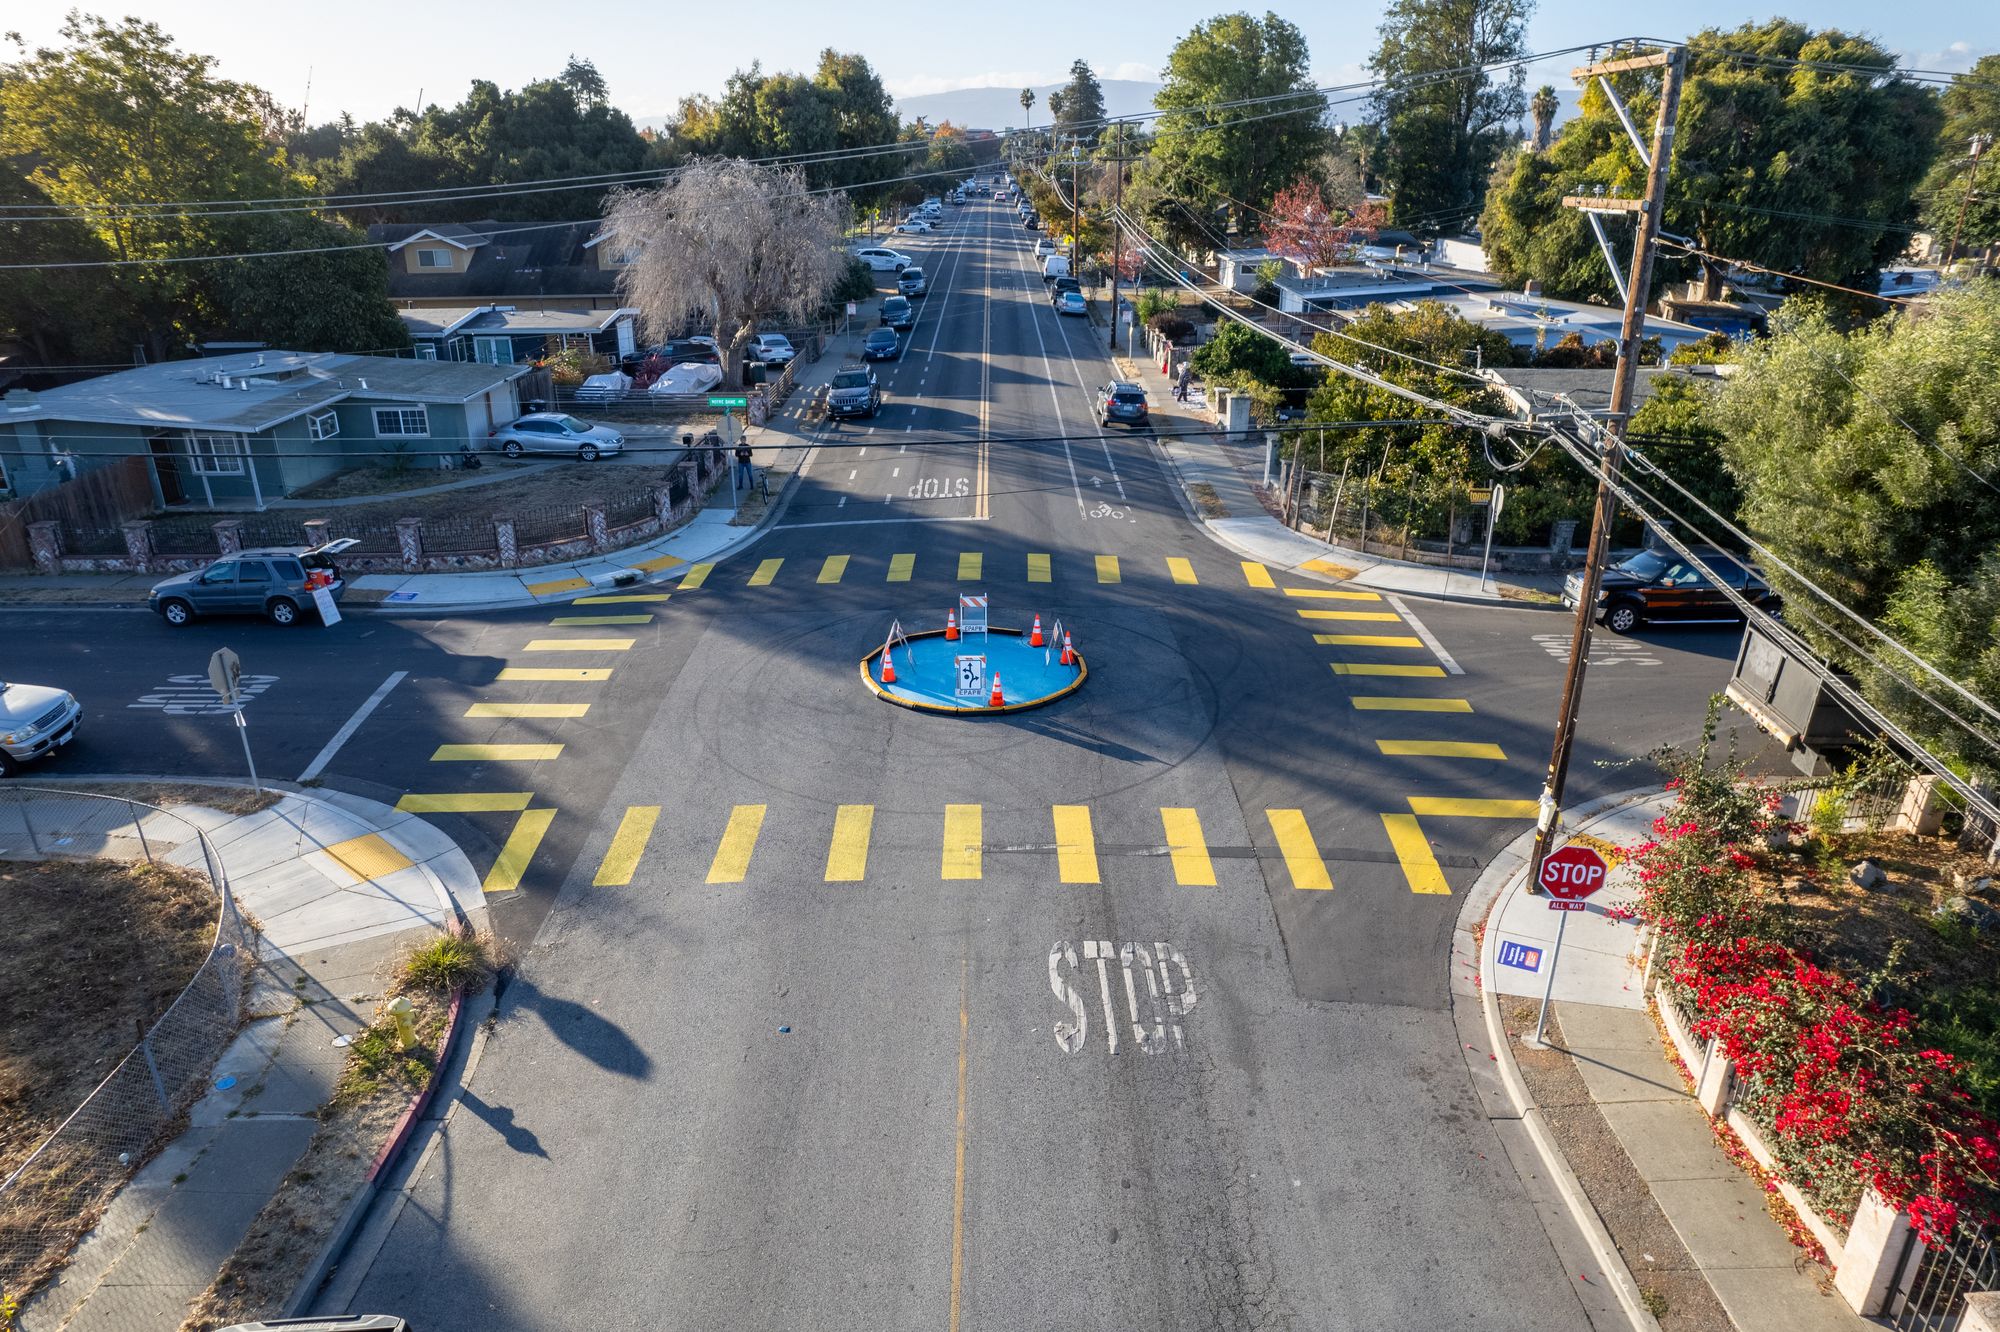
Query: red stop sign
point(1573, 873)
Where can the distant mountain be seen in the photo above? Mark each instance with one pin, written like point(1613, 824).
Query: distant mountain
point(1000, 108)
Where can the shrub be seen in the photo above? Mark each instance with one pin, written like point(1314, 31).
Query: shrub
point(1171, 326)
point(445, 963)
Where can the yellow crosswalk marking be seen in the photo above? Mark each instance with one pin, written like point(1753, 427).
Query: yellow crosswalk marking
point(1368, 640)
point(1076, 845)
point(739, 839)
point(1301, 853)
point(969, 563)
point(556, 585)
point(1440, 749)
point(518, 851)
point(1182, 571)
point(627, 845)
point(696, 576)
point(1192, 867)
point(495, 753)
point(962, 841)
point(1330, 615)
point(766, 571)
point(621, 597)
point(465, 802)
point(562, 674)
point(847, 856)
point(1390, 703)
point(1038, 568)
point(832, 569)
point(1371, 617)
point(1256, 574)
point(579, 644)
point(1376, 668)
point(1420, 866)
point(900, 567)
point(1107, 569)
point(643, 617)
point(1469, 808)
point(527, 709)
point(1331, 594)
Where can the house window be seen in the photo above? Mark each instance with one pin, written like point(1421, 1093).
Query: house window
point(427, 351)
point(216, 455)
point(432, 257)
point(323, 425)
point(402, 422)
point(493, 351)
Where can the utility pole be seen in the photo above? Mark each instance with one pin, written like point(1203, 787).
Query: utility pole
point(1117, 231)
point(1630, 335)
point(1979, 145)
point(1075, 202)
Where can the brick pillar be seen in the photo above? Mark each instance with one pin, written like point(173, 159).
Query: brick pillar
point(139, 544)
point(228, 535)
point(45, 540)
point(316, 531)
point(694, 470)
point(595, 524)
point(663, 504)
point(410, 542)
point(505, 542)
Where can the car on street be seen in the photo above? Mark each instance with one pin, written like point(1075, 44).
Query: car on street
point(559, 432)
point(1120, 401)
point(882, 259)
point(911, 282)
point(35, 721)
point(1071, 303)
point(1658, 587)
point(914, 227)
point(1044, 246)
point(881, 344)
point(772, 349)
point(1031, 222)
point(1057, 286)
point(853, 391)
point(897, 312)
point(276, 581)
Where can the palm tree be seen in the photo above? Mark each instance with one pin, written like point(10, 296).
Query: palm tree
point(1543, 107)
point(1027, 102)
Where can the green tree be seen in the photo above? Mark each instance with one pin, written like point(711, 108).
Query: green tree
point(308, 302)
point(1965, 180)
point(1078, 106)
point(1675, 428)
point(1802, 172)
point(864, 115)
point(61, 315)
point(1027, 106)
point(1444, 131)
point(1542, 107)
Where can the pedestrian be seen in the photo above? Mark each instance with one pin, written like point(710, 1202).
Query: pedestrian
point(746, 475)
point(1181, 384)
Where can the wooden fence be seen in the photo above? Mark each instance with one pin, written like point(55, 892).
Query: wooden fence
point(91, 509)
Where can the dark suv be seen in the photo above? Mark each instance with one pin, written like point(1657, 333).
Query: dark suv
point(1120, 401)
point(853, 392)
point(1658, 586)
point(278, 581)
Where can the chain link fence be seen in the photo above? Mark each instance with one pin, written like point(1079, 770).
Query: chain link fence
point(54, 1196)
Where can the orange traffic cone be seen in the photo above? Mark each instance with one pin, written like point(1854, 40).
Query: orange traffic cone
point(888, 667)
point(1069, 653)
point(951, 626)
point(1035, 634)
point(996, 701)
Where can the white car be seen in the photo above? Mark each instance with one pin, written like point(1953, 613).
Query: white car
point(916, 226)
point(772, 349)
point(557, 432)
point(881, 259)
point(687, 377)
point(35, 721)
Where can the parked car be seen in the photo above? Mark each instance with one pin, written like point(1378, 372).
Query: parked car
point(883, 259)
point(558, 432)
point(897, 312)
point(1071, 303)
point(35, 721)
point(911, 282)
point(881, 344)
point(1044, 246)
point(604, 388)
point(772, 349)
point(689, 377)
point(278, 581)
point(1058, 286)
point(914, 227)
point(1120, 401)
point(678, 351)
point(1055, 266)
point(1031, 222)
point(853, 391)
point(1656, 586)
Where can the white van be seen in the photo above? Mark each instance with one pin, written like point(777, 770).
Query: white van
point(1055, 266)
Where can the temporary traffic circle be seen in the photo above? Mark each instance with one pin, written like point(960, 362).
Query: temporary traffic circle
point(970, 666)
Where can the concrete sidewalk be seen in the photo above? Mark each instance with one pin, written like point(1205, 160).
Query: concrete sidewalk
point(339, 885)
point(1619, 1092)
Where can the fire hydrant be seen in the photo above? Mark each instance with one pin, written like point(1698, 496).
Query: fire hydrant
point(406, 1021)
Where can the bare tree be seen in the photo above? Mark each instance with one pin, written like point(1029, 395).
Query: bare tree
point(730, 242)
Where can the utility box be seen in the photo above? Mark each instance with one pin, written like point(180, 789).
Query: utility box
point(1785, 695)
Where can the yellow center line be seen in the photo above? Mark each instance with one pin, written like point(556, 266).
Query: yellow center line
point(627, 845)
point(1377, 668)
point(1182, 571)
point(696, 576)
point(518, 851)
point(1464, 807)
point(970, 562)
point(1330, 594)
point(1413, 852)
point(1390, 703)
point(579, 644)
point(1107, 569)
point(564, 674)
point(495, 753)
point(466, 802)
point(766, 571)
point(847, 857)
point(1302, 857)
point(1440, 749)
point(1076, 845)
point(642, 617)
point(900, 567)
point(1189, 848)
point(958, 1171)
point(1369, 640)
point(1038, 568)
point(962, 841)
point(527, 709)
point(621, 597)
point(832, 569)
point(739, 839)
point(1256, 574)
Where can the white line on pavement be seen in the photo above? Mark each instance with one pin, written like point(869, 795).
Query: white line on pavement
point(1430, 639)
point(346, 733)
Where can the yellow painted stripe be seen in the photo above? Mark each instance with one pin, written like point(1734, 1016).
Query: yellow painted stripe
point(1192, 866)
point(1420, 867)
point(1463, 807)
point(1038, 568)
point(1256, 574)
point(659, 564)
point(1376, 668)
point(621, 597)
point(518, 851)
point(1325, 615)
point(1107, 569)
point(556, 585)
point(527, 709)
point(847, 856)
point(1301, 853)
point(766, 571)
point(696, 576)
point(739, 839)
point(641, 617)
point(1182, 571)
point(1440, 749)
point(1369, 640)
point(465, 802)
point(962, 841)
point(1330, 594)
point(580, 644)
point(1389, 703)
point(1351, 617)
point(900, 567)
point(563, 674)
point(970, 562)
point(1076, 845)
point(832, 569)
point(495, 753)
point(627, 845)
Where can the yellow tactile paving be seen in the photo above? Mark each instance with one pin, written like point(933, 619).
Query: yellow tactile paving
point(970, 563)
point(556, 674)
point(1038, 568)
point(518, 852)
point(496, 753)
point(1329, 568)
point(1187, 846)
point(1076, 845)
point(832, 570)
point(660, 564)
point(1463, 807)
point(900, 567)
point(620, 598)
point(1256, 575)
point(599, 621)
point(1107, 569)
point(465, 802)
point(1369, 640)
point(527, 709)
point(1378, 668)
point(766, 571)
point(1413, 851)
point(739, 840)
point(556, 585)
point(579, 644)
point(1358, 617)
point(369, 856)
point(1440, 749)
point(627, 845)
point(847, 853)
point(1390, 703)
point(1302, 857)
point(963, 841)
point(696, 576)
point(1181, 569)
point(1331, 594)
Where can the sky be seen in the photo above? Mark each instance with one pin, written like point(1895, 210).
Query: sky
point(367, 57)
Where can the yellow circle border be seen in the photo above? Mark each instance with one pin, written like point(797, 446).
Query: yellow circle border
point(875, 687)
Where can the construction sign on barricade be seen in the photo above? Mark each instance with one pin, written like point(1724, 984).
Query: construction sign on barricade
point(972, 612)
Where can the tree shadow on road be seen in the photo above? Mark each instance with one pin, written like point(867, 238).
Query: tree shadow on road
point(586, 1032)
point(500, 1118)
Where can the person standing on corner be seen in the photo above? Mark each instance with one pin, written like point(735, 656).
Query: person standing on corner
point(746, 474)
point(1181, 384)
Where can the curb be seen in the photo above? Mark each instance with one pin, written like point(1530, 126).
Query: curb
point(1499, 874)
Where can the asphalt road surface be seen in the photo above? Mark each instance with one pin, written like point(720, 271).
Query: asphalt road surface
point(1132, 1011)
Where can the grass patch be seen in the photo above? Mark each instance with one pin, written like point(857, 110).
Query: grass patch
point(1208, 501)
point(448, 962)
point(1513, 592)
point(222, 799)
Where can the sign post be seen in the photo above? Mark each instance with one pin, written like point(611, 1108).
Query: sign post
point(225, 673)
point(1493, 504)
point(1568, 877)
point(971, 677)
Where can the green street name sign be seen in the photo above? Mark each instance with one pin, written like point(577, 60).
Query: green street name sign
point(729, 402)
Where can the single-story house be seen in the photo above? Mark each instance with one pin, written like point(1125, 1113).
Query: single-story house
point(540, 265)
point(1462, 252)
point(1237, 269)
point(243, 429)
point(1532, 392)
point(1351, 289)
point(508, 335)
point(1738, 321)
